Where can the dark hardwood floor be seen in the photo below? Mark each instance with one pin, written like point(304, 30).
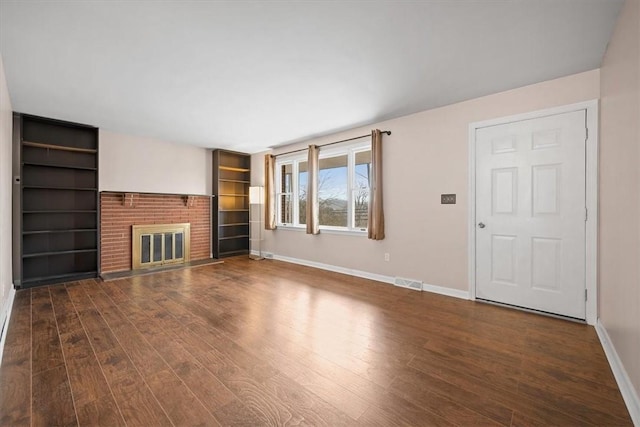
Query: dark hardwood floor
point(270, 343)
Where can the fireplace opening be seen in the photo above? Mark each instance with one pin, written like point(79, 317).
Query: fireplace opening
point(157, 245)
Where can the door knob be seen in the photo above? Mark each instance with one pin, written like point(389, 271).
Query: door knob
point(481, 225)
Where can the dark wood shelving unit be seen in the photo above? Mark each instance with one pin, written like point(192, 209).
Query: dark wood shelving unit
point(231, 178)
point(58, 205)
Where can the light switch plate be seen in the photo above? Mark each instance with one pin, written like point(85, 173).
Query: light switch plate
point(447, 199)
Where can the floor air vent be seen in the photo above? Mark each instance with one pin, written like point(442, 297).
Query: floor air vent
point(416, 285)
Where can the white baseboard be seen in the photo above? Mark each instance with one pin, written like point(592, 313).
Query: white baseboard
point(336, 269)
point(624, 382)
point(450, 292)
point(371, 276)
point(4, 319)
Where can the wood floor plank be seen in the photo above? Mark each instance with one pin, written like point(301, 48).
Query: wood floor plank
point(47, 353)
point(341, 398)
point(272, 343)
point(479, 403)
point(156, 363)
point(101, 336)
point(520, 420)
point(15, 387)
point(493, 381)
point(457, 413)
point(66, 315)
point(315, 410)
point(398, 408)
point(204, 385)
point(137, 403)
point(307, 360)
point(15, 370)
point(100, 412)
point(52, 403)
point(142, 354)
point(236, 413)
point(85, 376)
point(247, 385)
point(181, 405)
point(599, 395)
point(19, 328)
point(470, 353)
point(376, 417)
point(79, 298)
point(572, 404)
point(116, 365)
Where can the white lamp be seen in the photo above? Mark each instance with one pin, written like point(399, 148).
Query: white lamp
point(256, 200)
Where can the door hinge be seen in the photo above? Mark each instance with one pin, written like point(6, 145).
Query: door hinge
point(585, 295)
point(586, 214)
point(586, 134)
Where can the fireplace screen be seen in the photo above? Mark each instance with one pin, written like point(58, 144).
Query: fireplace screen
point(155, 245)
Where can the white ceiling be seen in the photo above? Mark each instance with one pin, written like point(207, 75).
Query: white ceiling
point(249, 75)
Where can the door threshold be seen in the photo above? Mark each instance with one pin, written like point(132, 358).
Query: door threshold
point(531, 310)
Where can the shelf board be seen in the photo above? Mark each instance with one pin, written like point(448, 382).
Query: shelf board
point(59, 147)
point(54, 253)
point(234, 195)
point(71, 230)
point(42, 187)
point(234, 224)
point(60, 276)
point(230, 253)
point(240, 236)
point(234, 180)
point(230, 168)
point(233, 210)
point(60, 211)
point(59, 166)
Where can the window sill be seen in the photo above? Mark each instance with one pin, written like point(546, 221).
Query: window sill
point(290, 228)
point(324, 230)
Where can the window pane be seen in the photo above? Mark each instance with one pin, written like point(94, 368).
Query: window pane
point(361, 189)
point(286, 209)
point(302, 192)
point(332, 191)
point(287, 175)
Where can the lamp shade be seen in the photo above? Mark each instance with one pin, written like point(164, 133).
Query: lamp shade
point(255, 195)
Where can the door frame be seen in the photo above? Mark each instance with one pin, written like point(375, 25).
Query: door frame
point(591, 171)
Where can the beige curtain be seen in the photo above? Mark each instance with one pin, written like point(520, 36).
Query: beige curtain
point(376, 213)
point(269, 192)
point(313, 212)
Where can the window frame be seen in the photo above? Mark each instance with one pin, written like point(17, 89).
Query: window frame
point(294, 159)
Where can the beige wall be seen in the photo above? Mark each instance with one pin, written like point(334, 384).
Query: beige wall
point(6, 127)
point(619, 266)
point(426, 155)
point(145, 165)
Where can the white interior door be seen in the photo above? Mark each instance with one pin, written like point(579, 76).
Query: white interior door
point(530, 214)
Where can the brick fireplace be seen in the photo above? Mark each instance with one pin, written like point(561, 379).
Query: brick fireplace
point(120, 211)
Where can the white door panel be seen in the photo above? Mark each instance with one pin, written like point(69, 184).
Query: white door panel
point(530, 198)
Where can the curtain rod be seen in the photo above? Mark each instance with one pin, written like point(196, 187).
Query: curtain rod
point(388, 132)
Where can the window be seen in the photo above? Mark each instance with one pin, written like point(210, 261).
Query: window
point(343, 188)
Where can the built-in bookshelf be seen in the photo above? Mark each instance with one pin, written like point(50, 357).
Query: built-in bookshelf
point(230, 231)
point(58, 203)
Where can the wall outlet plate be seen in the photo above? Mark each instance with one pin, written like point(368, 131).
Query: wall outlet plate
point(447, 199)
